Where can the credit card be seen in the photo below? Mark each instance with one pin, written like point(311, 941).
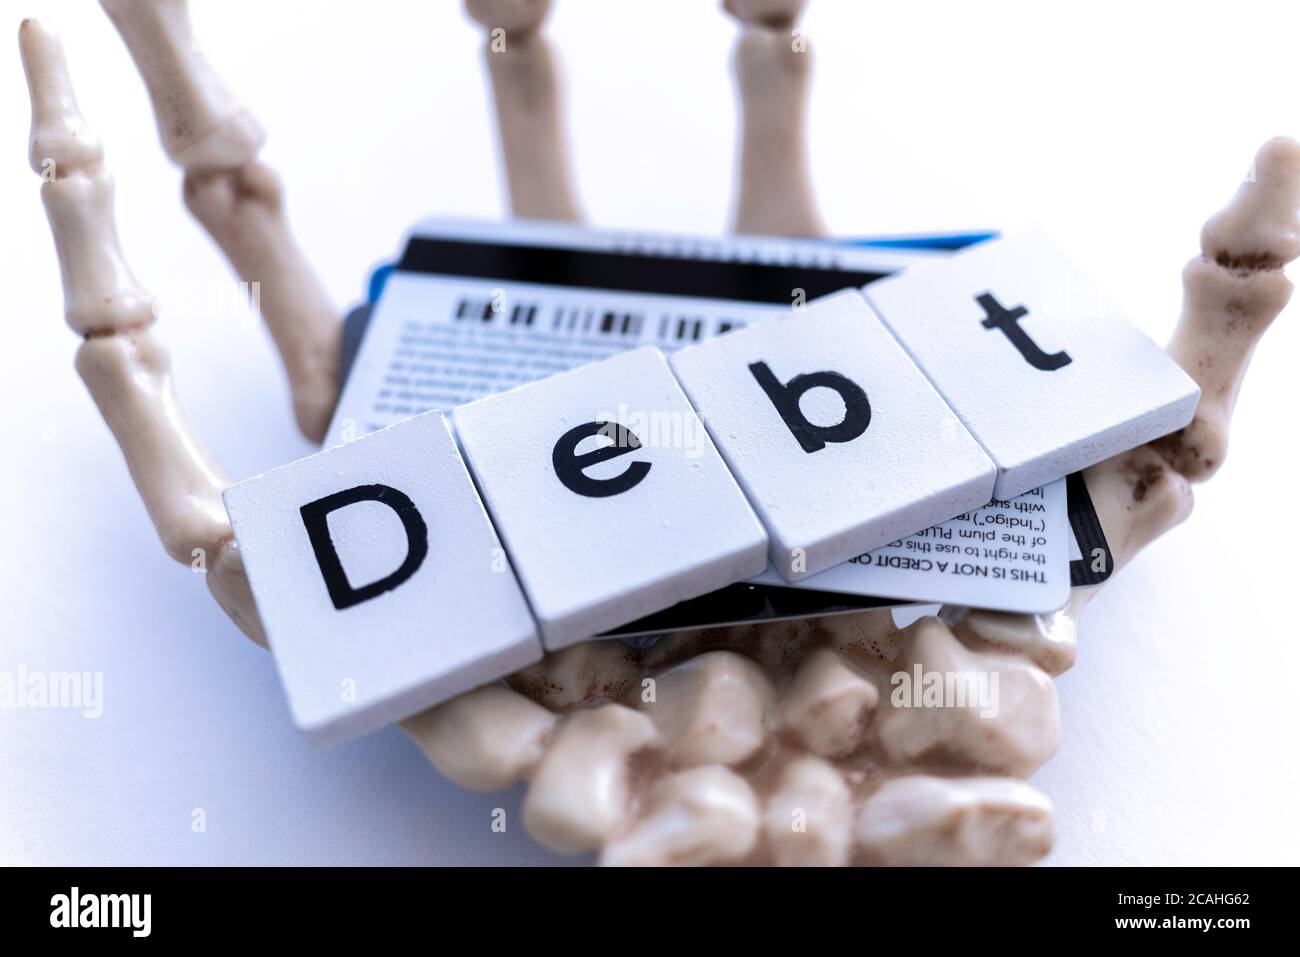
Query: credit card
point(469, 309)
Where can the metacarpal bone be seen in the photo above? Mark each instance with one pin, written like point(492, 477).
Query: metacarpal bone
point(1049, 641)
point(920, 820)
point(707, 815)
point(580, 791)
point(991, 710)
point(714, 709)
point(829, 705)
point(808, 821)
point(485, 740)
point(581, 675)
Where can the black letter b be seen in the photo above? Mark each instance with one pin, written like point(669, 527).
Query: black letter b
point(813, 438)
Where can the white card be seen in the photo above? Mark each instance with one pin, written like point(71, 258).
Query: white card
point(1008, 556)
point(379, 580)
point(1037, 362)
point(609, 495)
point(836, 437)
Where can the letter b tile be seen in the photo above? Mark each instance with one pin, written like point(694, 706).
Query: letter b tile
point(609, 495)
point(837, 438)
point(379, 579)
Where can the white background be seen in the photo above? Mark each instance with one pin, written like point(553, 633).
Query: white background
point(1119, 126)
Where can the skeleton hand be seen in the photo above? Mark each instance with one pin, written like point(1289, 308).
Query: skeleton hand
point(763, 744)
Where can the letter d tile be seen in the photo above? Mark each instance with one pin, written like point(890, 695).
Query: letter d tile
point(378, 579)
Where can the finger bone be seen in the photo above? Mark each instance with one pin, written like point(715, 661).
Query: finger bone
point(1138, 496)
point(200, 123)
point(228, 583)
point(770, 13)
point(60, 140)
point(129, 376)
point(1225, 313)
point(516, 17)
point(1260, 227)
point(99, 292)
point(774, 188)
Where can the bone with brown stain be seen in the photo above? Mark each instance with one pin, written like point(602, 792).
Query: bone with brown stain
point(916, 783)
point(237, 198)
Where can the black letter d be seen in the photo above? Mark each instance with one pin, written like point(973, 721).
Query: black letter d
point(315, 518)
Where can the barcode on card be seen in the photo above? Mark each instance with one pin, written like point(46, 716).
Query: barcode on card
point(494, 309)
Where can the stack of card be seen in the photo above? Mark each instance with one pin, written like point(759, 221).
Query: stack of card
point(910, 439)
